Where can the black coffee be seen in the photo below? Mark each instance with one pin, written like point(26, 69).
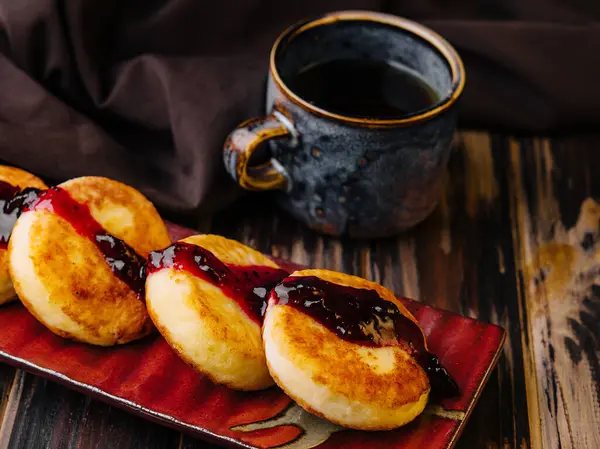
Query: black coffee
point(363, 89)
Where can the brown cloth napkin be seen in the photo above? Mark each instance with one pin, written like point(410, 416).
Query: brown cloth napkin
point(145, 91)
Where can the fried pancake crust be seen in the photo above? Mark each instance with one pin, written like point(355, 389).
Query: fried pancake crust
point(208, 329)
point(62, 277)
point(22, 179)
point(356, 386)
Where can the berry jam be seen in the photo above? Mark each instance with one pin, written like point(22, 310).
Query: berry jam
point(249, 286)
point(363, 317)
point(12, 201)
point(120, 257)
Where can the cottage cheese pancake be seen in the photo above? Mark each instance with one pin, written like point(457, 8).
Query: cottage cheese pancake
point(12, 181)
point(206, 294)
point(77, 257)
point(332, 344)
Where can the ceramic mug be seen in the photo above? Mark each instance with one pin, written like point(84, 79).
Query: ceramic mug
point(344, 174)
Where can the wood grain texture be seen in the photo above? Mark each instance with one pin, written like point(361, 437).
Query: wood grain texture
point(557, 239)
point(513, 241)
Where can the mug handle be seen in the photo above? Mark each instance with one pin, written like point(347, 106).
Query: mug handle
point(241, 144)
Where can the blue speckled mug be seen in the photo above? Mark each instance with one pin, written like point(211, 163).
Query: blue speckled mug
point(345, 174)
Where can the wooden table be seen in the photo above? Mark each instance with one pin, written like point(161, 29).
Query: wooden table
point(514, 242)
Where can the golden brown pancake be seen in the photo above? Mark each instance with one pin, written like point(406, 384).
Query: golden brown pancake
point(64, 279)
point(206, 327)
point(356, 386)
point(22, 179)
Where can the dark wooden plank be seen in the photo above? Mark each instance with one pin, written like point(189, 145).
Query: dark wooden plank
point(47, 415)
point(482, 248)
point(9, 381)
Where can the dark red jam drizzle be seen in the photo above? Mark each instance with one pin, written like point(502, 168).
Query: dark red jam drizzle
point(362, 316)
point(120, 257)
point(249, 286)
point(12, 201)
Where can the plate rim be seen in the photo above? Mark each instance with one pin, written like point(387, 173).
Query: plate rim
point(481, 385)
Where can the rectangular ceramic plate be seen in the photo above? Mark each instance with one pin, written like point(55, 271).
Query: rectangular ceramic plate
point(148, 379)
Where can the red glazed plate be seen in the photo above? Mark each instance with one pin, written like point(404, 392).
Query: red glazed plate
point(148, 379)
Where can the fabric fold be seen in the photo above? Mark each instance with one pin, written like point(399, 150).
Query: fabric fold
point(146, 92)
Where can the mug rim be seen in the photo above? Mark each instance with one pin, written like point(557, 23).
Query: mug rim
point(440, 44)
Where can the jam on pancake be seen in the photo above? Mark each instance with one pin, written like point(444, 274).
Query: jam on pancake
point(121, 258)
point(249, 286)
point(12, 202)
point(363, 317)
